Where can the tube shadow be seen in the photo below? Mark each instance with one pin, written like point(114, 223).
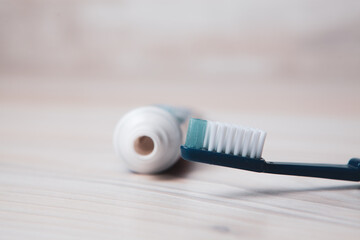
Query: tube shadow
point(180, 169)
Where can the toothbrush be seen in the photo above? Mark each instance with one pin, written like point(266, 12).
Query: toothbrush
point(241, 147)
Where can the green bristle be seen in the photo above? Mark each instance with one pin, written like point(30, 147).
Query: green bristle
point(196, 133)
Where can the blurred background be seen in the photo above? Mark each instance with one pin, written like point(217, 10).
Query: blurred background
point(278, 56)
point(70, 69)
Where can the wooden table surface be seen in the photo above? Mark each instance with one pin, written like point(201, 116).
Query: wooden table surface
point(69, 71)
point(60, 179)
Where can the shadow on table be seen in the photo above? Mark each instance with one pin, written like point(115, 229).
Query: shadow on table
point(181, 169)
point(278, 192)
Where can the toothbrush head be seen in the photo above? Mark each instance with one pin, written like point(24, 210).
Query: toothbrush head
point(224, 145)
point(225, 138)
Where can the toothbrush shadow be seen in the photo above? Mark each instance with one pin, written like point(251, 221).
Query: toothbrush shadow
point(279, 192)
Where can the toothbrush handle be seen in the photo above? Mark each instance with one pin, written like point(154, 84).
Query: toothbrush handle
point(349, 172)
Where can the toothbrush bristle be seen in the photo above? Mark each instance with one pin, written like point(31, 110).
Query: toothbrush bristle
point(225, 138)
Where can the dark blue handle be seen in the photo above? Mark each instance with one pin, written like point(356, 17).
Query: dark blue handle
point(349, 172)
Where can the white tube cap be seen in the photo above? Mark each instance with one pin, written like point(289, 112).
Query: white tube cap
point(147, 140)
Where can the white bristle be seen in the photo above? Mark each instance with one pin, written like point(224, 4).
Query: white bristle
point(212, 136)
point(238, 140)
point(229, 142)
point(221, 138)
point(254, 143)
point(234, 139)
point(206, 138)
point(246, 143)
